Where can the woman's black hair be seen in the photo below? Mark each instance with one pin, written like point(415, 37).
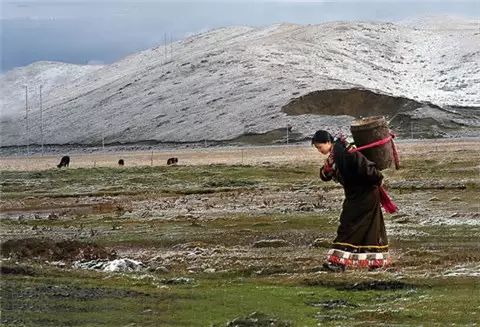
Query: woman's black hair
point(322, 136)
point(340, 151)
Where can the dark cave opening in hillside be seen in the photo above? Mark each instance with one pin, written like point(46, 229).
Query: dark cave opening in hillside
point(352, 102)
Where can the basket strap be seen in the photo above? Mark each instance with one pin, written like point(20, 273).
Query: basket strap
point(389, 138)
point(386, 201)
point(373, 144)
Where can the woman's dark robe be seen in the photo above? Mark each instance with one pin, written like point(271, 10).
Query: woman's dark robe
point(362, 228)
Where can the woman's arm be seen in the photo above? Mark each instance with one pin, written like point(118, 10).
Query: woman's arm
point(327, 170)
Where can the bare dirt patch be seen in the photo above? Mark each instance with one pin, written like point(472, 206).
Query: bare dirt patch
point(48, 249)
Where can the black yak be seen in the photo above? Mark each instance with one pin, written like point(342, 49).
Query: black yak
point(64, 162)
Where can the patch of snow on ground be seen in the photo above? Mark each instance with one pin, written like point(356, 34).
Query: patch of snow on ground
point(117, 265)
point(445, 221)
point(464, 270)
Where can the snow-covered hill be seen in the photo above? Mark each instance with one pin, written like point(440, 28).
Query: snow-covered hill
point(50, 75)
point(238, 81)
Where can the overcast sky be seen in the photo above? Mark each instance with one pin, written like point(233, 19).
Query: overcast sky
point(79, 31)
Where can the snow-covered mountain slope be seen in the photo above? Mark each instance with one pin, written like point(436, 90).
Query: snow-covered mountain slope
point(50, 75)
point(234, 81)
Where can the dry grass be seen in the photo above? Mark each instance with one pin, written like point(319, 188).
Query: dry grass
point(186, 221)
point(226, 155)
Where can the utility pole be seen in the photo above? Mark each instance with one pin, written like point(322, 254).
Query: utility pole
point(171, 47)
point(26, 120)
point(103, 136)
point(103, 140)
point(41, 117)
point(165, 43)
point(289, 127)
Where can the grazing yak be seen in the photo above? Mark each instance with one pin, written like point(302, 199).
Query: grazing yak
point(64, 162)
point(121, 162)
point(172, 161)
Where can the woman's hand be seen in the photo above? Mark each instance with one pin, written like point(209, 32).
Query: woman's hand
point(328, 165)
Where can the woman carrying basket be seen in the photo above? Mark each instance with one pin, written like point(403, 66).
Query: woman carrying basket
point(361, 240)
